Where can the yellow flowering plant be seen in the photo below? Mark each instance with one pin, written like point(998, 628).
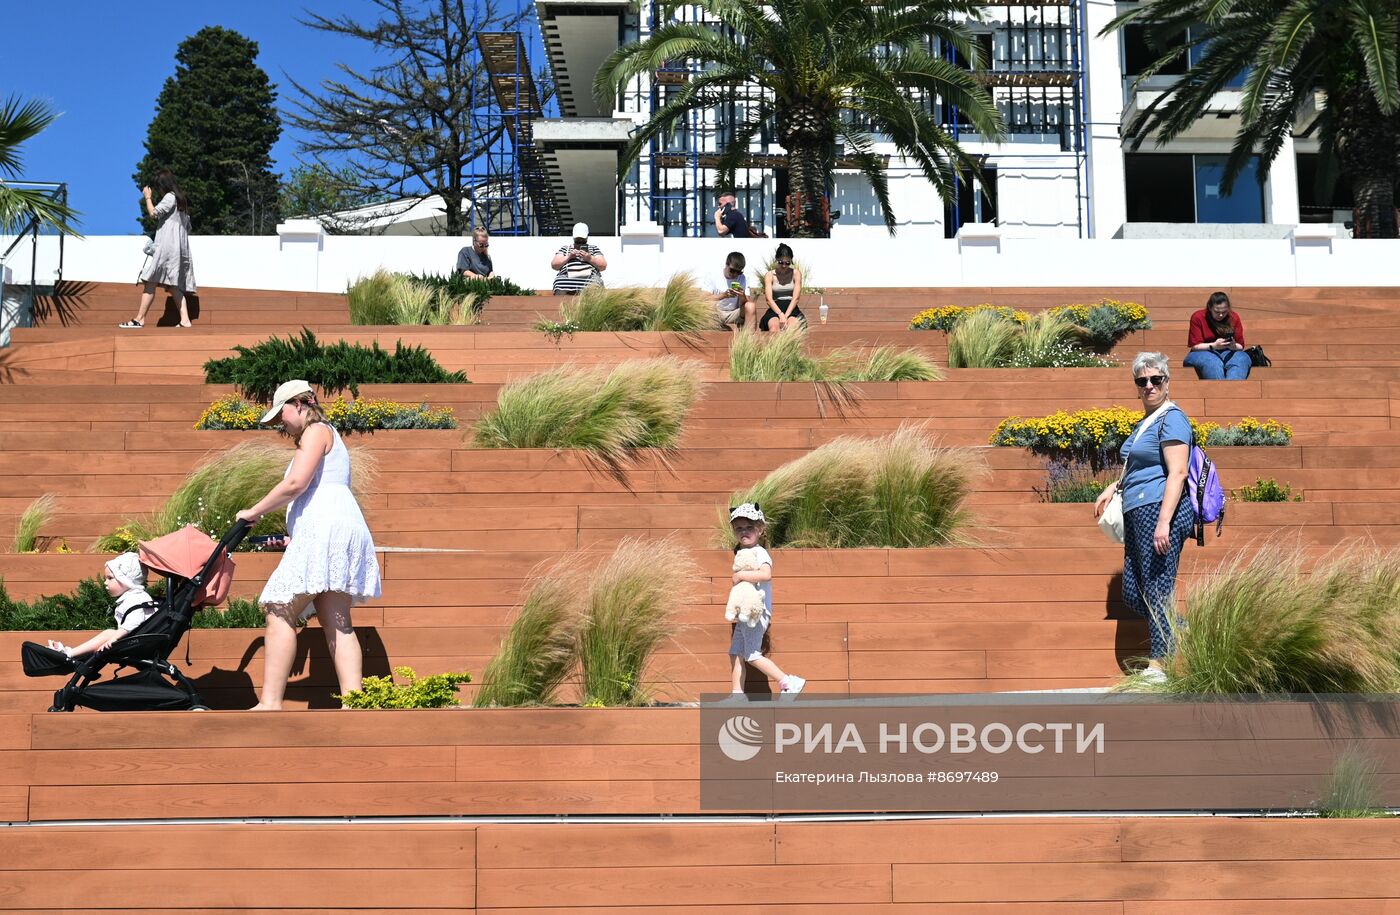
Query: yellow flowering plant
point(232, 412)
point(1095, 436)
point(1102, 324)
point(946, 317)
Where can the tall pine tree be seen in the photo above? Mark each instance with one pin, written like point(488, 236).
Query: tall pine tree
point(215, 124)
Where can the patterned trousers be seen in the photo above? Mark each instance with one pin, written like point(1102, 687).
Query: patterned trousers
point(1149, 579)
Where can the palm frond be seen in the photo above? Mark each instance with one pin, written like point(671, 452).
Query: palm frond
point(1374, 27)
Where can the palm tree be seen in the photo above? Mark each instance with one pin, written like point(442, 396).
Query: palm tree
point(18, 123)
point(1290, 49)
point(824, 70)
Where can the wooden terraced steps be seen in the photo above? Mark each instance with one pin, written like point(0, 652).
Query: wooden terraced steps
point(103, 418)
point(1080, 866)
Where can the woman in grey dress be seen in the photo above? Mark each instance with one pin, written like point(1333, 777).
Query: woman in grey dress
point(170, 266)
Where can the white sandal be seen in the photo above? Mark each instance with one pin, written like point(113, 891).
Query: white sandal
point(131, 325)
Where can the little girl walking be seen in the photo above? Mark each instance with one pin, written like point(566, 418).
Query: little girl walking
point(746, 644)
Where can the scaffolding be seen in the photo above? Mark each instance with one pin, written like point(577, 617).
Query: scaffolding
point(1032, 63)
point(508, 182)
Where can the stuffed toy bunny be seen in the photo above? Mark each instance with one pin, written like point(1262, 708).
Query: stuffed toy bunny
point(745, 599)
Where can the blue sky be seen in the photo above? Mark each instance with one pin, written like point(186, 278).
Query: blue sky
point(102, 65)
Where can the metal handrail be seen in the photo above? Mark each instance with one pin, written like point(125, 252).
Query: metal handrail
point(60, 193)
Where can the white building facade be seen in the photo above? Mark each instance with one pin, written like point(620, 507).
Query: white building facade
point(1063, 170)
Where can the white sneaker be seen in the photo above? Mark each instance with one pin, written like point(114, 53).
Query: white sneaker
point(1153, 674)
point(793, 685)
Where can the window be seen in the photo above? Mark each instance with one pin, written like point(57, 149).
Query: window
point(1139, 53)
point(976, 202)
point(1244, 204)
point(1171, 187)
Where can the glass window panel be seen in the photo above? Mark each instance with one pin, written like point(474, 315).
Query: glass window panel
point(1244, 205)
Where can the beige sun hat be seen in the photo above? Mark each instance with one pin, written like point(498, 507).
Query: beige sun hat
point(285, 392)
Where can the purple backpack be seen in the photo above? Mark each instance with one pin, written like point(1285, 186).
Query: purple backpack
point(1204, 490)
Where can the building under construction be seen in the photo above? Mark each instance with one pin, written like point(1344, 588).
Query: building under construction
point(1061, 170)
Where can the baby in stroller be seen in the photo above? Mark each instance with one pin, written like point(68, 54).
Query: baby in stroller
point(126, 581)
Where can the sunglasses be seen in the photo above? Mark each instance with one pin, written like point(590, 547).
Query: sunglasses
point(784, 263)
point(483, 244)
point(1156, 380)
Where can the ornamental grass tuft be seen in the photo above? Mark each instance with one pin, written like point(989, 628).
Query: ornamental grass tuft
point(784, 356)
point(1267, 623)
point(639, 404)
point(1352, 791)
point(219, 488)
point(631, 606)
point(37, 515)
point(385, 298)
point(681, 306)
point(898, 490)
point(540, 649)
point(982, 340)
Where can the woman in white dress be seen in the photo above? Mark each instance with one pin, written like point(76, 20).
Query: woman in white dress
point(171, 266)
point(329, 565)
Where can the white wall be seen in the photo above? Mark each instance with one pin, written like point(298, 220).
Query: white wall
point(853, 256)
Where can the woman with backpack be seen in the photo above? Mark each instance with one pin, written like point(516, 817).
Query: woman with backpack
point(1157, 514)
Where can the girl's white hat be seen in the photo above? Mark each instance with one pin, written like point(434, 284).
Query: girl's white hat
point(748, 510)
point(126, 569)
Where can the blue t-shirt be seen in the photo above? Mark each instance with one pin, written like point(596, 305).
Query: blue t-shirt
point(1145, 483)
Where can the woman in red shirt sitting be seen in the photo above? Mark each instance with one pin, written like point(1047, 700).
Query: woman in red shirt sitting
point(1217, 342)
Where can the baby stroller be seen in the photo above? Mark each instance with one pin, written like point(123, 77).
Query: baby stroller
point(196, 577)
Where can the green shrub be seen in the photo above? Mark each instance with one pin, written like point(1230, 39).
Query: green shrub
point(680, 307)
point(897, 490)
point(1074, 481)
point(436, 691)
point(233, 413)
point(88, 607)
point(258, 370)
point(1268, 490)
point(240, 614)
point(784, 356)
point(632, 603)
point(36, 515)
point(639, 404)
point(1264, 624)
point(458, 286)
point(541, 647)
point(1248, 431)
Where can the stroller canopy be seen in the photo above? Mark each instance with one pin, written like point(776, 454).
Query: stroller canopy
point(183, 554)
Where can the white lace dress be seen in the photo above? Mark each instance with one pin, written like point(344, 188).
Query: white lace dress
point(331, 547)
